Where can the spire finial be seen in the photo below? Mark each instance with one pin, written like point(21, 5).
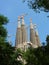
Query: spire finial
point(19, 25)
point(36, 30)
point(22, 17)
point(18, 18)
point(22, 20)
point(35, 26)
point(30, 20)
point(31, 25)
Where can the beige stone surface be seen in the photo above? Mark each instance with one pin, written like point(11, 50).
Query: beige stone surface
point(24, 33)
point(37, 39)
point(18, 36)
point(32, 36)
point(21, 36)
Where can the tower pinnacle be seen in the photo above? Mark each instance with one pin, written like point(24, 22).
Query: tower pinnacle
point(22, 20)
point(37, 37)
point(18, 34)
point(22, 17)
point(19, 25)
point(23, 29)
point(36, 31)
point(31, 25)
point(32, 32)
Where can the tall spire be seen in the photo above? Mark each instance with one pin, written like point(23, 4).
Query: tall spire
point(32, 33)
point(37, 37)
point(23, 29)
point(18, 34)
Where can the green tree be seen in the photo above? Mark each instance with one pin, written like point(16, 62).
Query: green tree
point(38, 56)
point(8, 55)
point(47, 39)
point(3, 31)
point(30, 57)
point(37, 5)
point(6, 50)
point(3, 20)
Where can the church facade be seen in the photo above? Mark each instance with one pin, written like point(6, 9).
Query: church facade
point(21, 35)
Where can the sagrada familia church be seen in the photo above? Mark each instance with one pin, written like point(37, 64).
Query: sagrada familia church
point(22, 35)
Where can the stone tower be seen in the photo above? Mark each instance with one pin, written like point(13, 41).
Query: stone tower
point(21, 35)
point(37, 38)
point(23, 29)
point(32, 33)
point(18, 33)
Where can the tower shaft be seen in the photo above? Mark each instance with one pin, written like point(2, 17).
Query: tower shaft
point(37, 38)
point(32, 33)
point(18, 37)
point(18, 34)
point(24, 34)
point(32, 36)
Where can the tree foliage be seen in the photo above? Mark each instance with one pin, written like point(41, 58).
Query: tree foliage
point(3, 32)
point(38, 56)
point(8, 55)
point(38, 5)
point(3, 20)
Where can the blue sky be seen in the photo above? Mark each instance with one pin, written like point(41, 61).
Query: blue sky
point(13, 8)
